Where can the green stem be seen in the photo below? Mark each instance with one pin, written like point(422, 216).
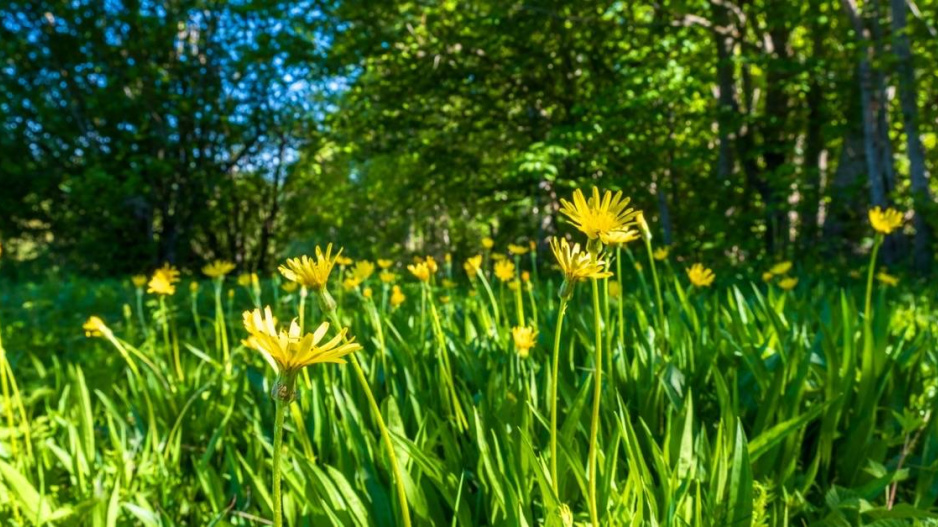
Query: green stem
point(278, 446)
point(491, 295)
point(621, 303)
point(597, 392)
point(555, 370)
point(654, 277)
point(519, 302)
point(868, 305)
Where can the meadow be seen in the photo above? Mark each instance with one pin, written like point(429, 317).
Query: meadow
point(600, 381)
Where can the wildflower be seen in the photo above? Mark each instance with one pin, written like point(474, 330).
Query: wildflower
point(514, 285)
point(780, 268)
point(488, 243)
point(163, 281)
point(497, 257)
point(420, 270)
point(289, 287)
point(193, 287)
point(367, 292)
point(620, 237)
point(700, 276)
point(384, 264)
point(505, 270)
point(887, 279)
point(525, 276)
point(525, 338)
point(473, 265)
point(576, 265)
point(565, 514)
point(448, 258)
point(218, 268)
point(362, 270)
point(615, 289)
point(767, 276)
point(397, 296)
point(444, 299)
point(431, 265)
point(448, 284)
point(660, 254)
point(139, 280)
point(342, 261)
point(599, 216)
point(532, 245)
point(387, 277)
point(311, 272)
point(289, 349)
point(518, 250)
point(350, 283)
point(95, 327)
point(638, 266)
point(885, 221)
point(788, 283)
point(247, 279)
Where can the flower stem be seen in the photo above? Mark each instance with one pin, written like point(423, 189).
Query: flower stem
point(597, 392)
point(555, 369)
point(278, 446)
point(868, 305)
point(654, 277)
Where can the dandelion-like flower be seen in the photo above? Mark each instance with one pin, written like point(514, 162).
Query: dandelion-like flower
point(518, 250)
point(247, 279)
point(599, 216)
point(95, 327)
point(887, 279)
point(615, 289)
point(367, 292)
point(497, 257)
point(397, 296)
point(660, 254)
point(385, 264)
point(163, 281)
point(362, 270)
point(700, 276)
point(473, 265)
point(525, 338)
point(343, 261)
point(620, 237)
point(780, 268)
point(421, 271)
point(289, 287)
point(290, 350)
point(885, 221)
point(767, 276)
point(488, 243)
point(505, 270)
point(387, 277)
point(432, 265)
point(788, 283)
point(139, 280)
point(218, 268)
point(577, 265)
point(311, 272)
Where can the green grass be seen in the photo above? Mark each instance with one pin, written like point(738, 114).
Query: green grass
point(744, 405)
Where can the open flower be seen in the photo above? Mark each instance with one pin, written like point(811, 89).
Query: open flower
point(397, 296)
point(139, 280)
point(700, 276)
point(473, 265)
point(420, 270)
point(385, 264)
point(488, 243)
point(885, 221)
point(517, 249)
point(311, 272)
point(780, 268)
point(505, 270)
point(620, 237)
point(387, 277)
point(660, 254)
point(163, 281)
point(599, 216)
point(887, 279)
point(289, 350)
point(577, 265)
point(362, 270)
point(95, 327)
point(218, 268)
point(342, 261)
point(788, 283)
point(525, 338)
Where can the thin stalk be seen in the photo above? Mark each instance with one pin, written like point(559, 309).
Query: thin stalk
point(519, 302)
point(143, 322)
point(621, 310)
point(278, 447)
point(555, 370)
point(491, 295)
point(597, 392)
point(868, 305)
point(220, 322)
point(654, 277)
point(533, 305)
point(445, 364)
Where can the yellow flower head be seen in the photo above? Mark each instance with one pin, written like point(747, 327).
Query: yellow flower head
point(532, 245)
point(244, 279)
point(887, 279)
point(767, 276)
point(885, 221)
point(289, 349)
point(289, 287)
point(525, 338)
point(577, 265)
point(615, 289)
point(193, 287)
point(367, 292)
point(517, 249)
point(444, 299)
point(448, 284)
point(488, 243)
point(620, 237)
point(473, 265)
point(505, 270)
point(514, 285)
point(139, 280)
point(385, 264)
point(497, 257)
point(638, 266)
point(311, 272)
point(343, 261)
point(599, 216)
point(431, 265)
point(95, 327)
point(780, 268)
point(387, 277)
point(421, 271)
point(163, 281)
point(218, 268)
point(397, 296)
point(700, 276)
point(525, 276)
point(350, 283)
point(660, 254)
point(788, 283)
point(448, 258)
point(362, 270)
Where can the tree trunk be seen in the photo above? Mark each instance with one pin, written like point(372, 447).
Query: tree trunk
point(810, 188)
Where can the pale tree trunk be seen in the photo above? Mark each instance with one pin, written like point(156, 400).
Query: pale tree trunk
point(918, 174)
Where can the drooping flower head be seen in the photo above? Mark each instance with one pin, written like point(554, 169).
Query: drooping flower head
point(700, 276)
point(885, 221)
point(505, 270)
point(311, 272)
point(290, 350)
point(599, 215)
point(525, 338)
point(163, 281)
point(218, 268)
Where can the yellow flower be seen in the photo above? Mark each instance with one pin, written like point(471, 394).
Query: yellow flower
point(497, 257)
point(363, 270)
point(163, 281)
point(525, 338)
point(139, 280)
point(448, 284)
point(532, 245)
point(488, 243)
point(473, 265)
point(700, 276)
point(218, 268)
point(517, 249)
point(444, 299)
point(289, 287)
point(244, 279)
point(311, 272)
point(660, 254)
point(387, 277)
point(291, 350)
point(343, 261)
point(767, 276)
point(788, 283)
point(514, 285)
point(576, 265)
point(193, 287)
point(431, 265)
point(638, 266)
point(505, 270)
point(350, 283)
point(620, 237)
point(599, 216)
point(887, 279)
point(448, 258)
point(384, 264)
point(420, 270)
point(397, 296)
point(885, 221)
point(367, 292)
point(525, 276)
point(615, 289)
point(95, 327)
point(780, 268)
